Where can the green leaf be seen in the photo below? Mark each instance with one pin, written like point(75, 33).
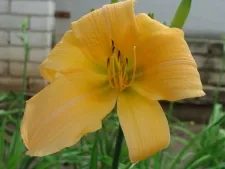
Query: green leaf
point(16, 152)
point(199, 162)
point(26, 162)
point(186, 148)
point(180, 140)
point(94, 155)
point(114, 1)
point(181, 14)
point(214, 150)
point(24, 24)
point(156, 161)
point(217, 113)
point(130, 166)
point(220, 166)
point(12, 111)
point(3, 96)
point(151, 15)
point(183, 130)
point(107, 160)
point(2, 141)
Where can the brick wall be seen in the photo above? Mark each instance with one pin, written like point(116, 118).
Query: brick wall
point(208, 55)
point(41, 20)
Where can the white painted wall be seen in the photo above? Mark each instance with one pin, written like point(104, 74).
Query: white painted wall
point(207, 17)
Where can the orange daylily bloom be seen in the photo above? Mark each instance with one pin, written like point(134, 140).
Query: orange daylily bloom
point(111, 55)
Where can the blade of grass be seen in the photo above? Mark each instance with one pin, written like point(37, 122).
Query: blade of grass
point(12, 111)
point(26, 162)
point(182, 152)
point(15, 157)
point(94, 154)
point(183, 130)
point(2, 142)
point(181, 14)
point(156, 161)
point(199, 162)
point(201, 153)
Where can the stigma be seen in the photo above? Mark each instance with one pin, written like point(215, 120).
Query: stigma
point(119, 74)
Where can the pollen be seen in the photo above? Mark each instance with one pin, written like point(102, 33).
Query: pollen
point(120, 77)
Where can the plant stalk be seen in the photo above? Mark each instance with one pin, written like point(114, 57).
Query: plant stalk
point(217, 94)
point(24, 85)
point(118, 146)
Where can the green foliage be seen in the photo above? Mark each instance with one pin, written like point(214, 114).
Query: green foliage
point(94, 154)
point(151, 15)
point(181, 14)
point(114, 1)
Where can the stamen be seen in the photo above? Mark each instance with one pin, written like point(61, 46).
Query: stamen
point(121, 78)
point(109, 74)
point(117, 69)
point(114, 72)
point(134, 67)
point(124, 70)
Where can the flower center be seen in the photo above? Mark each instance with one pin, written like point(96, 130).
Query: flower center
point(119, 75)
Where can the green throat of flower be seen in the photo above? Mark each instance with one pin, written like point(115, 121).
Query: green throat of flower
point(117, 64)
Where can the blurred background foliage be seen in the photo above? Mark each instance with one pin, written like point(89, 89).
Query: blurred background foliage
point(202, 149)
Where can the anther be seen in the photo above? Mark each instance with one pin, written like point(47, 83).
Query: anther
point(113, 48)
point(127, 61)
point(112, 43)
point(118, 55)
point(108, 60)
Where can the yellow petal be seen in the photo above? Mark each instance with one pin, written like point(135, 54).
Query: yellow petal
point(63, 112)
point(122, 24)
point(144, 125)
point(65, 57)
point(97, 29)
point(147, 26)
point(167, 70)
point(92, 32)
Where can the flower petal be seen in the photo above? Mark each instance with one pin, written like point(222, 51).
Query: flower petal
point(144, 125)
point(147, 26)
point(63, 112)
point(92, 32)
point(122, 24)
point(65, 57)
point(97, 29)
point(166, 67)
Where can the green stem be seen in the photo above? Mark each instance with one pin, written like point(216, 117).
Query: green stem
point(24, 85)
point(156, 164)
point(170, 110)
point(24, 39)
point(217, 94)
point(119, 142)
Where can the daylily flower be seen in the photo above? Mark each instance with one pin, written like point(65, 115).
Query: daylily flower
point(111, 56)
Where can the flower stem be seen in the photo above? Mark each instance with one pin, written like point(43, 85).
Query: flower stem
point(170, 111)
point(217, 94)
point(119, 142)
